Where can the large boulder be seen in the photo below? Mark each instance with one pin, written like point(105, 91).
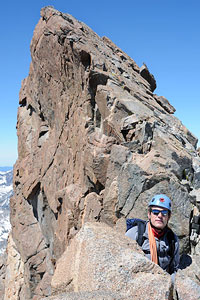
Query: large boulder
point(99, 258)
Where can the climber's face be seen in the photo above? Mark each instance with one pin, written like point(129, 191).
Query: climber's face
point(158, 217)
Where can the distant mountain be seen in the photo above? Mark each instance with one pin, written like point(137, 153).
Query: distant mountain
point(6, 191)
point(4, 169)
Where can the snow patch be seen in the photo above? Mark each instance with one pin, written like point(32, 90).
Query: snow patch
point(6, 191)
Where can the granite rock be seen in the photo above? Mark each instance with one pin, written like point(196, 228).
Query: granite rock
point(94, 144)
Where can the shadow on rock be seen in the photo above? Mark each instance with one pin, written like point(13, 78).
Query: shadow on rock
point(185, 261)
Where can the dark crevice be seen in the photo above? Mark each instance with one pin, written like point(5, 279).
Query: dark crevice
point(127, 89)
point(97, 78)
point(124, 133)
point(71, 44)
point(123, 58)
point(67, 18)
point(105, 68)
point(30, 107)
point(42, 116)
point(121, 70)
point(86, 193)
point(61, 39)
point(56, 216)
point(41, 274)
point(99, 187)
point(85, 59)
point(23, 102)
point(66, 117)
point(118, 214)
point(42, 133)
point(97, 117)
point(82, 85)
point(59, 207)
point(177, 297)
point(144, 72)
point(31, 224)
point(43, 214)
point(17, 183)
point(95, 187)
point(33, 199)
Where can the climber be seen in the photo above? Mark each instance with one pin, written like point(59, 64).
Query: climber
point(157, 240)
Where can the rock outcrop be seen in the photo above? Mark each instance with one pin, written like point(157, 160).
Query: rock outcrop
point(94, 145)
point(14, 275)
point(101, 259)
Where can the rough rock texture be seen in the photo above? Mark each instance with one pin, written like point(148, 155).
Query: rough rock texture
point(3, 259)
point(99, 258)
point(94, 295)
point(186, 288)
point(94, 144)
point(14, 279)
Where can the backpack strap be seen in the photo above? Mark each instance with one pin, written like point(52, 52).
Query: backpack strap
point(171, 240)
point(141, 224)
point(141, 230)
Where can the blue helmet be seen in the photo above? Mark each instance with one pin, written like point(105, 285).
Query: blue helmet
point(161, 200)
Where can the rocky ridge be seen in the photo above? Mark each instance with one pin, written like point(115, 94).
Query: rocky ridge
point(94, 144)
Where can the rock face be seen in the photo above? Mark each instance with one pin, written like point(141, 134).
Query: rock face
point(14, 279)
point(94, 144)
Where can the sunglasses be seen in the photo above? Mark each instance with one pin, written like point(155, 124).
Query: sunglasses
point(163, 212)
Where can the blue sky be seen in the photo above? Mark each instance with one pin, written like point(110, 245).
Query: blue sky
point(163, 34)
